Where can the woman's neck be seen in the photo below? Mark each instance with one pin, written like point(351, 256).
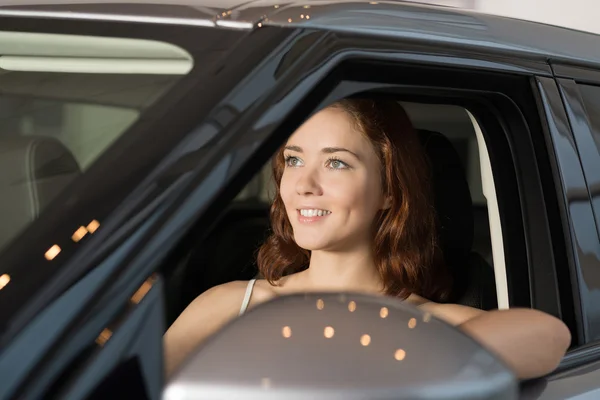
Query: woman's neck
point(341, 271)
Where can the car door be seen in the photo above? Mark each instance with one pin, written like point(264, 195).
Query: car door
point(319, 66)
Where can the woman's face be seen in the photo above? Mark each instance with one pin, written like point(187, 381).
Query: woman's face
point(331, 184)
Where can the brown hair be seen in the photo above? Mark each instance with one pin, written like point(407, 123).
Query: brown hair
point(405, 242)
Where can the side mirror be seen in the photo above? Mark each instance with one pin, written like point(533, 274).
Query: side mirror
point(342, 346)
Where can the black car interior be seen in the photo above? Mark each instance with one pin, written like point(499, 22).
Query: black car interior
point(474, 282)
point(229, 251)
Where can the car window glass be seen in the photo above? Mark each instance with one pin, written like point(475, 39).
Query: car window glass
point(64, 100)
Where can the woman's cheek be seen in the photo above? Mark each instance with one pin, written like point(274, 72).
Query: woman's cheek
point(348, 190)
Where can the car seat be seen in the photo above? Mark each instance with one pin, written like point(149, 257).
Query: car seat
point(474, 281)
point(33, 170)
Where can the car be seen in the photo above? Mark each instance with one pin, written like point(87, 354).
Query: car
point(134, 150)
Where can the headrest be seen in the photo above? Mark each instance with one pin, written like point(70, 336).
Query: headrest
point(33, 170)
point(452, 200)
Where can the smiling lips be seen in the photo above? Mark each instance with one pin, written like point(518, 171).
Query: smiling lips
point(307, 215)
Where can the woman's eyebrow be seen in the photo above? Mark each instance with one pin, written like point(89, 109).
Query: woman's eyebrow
point(330, 150)
point(294, 148)
point(326, 150)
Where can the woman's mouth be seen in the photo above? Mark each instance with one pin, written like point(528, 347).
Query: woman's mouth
point(309, 215)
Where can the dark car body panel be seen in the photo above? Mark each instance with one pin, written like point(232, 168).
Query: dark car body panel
point(394, 19)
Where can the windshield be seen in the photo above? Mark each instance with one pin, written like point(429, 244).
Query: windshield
point(64, 100)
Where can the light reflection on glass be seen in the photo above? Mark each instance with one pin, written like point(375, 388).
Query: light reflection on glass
point(329, 332)
point(93, 226)
point(352, 306)
point(302, 16)
point(399, 354)
point(52, 252)
point(79, 234)
point(365, 340)
point(260, 25)
point(308, 17)
point(412, 323)
point(104, 336)
point(289, 20)
point(142, 291)
point(384, 312)
point(276, 6)
point(4, 280)
point(320, 304)
point(306, 6)
point(286, 332)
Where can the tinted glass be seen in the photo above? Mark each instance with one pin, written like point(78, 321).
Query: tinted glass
point(64, 100)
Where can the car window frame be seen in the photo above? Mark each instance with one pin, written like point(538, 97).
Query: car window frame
point(541, 297)
point(548, 217)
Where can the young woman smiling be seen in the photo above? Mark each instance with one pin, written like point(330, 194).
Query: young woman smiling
point(353, 212)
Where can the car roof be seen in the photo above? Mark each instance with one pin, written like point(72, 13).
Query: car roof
point(407, 20)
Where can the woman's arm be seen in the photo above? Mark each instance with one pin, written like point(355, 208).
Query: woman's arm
point(531, 342)
point(203, 317)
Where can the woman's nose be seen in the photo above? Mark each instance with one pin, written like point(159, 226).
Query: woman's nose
point(308, 183)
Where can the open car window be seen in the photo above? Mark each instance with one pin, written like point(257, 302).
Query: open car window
point(455, 124)
point(464, 201)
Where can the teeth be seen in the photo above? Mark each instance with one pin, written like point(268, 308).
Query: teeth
point(314, 213)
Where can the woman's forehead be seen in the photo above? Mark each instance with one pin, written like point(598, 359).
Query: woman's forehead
point(330, 127)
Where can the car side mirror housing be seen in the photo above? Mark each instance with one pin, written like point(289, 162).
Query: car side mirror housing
point(341, 346)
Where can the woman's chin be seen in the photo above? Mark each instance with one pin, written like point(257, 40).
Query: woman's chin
point(318, 244)
point(311, 244)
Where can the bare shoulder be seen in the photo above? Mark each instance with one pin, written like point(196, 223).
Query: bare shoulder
point(224, 301)
point(202, 317)
point(221, 302)
point(221, 296)
point(454, 314)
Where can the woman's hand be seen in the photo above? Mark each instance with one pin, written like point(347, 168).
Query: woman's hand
point(531, 342)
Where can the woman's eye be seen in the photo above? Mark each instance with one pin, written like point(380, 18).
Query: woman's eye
point(291, 161)
point(337, 164)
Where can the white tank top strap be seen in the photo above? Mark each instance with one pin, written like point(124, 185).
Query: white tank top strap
point(247, 296)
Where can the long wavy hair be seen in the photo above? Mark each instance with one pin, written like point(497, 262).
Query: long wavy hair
point(405, 241)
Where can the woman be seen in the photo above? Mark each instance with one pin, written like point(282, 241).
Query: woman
point(353, 212)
